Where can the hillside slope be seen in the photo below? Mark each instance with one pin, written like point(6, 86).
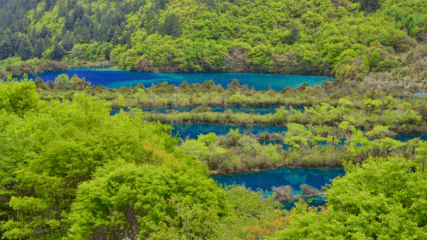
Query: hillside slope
point(340, 38)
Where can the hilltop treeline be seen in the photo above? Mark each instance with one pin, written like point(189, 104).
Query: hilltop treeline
point(339, 38)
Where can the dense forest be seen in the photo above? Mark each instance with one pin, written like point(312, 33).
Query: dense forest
point(342, 38)
point(70, 169)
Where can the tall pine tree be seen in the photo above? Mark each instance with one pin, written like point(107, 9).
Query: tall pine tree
point(172, 25)
point(24, 49)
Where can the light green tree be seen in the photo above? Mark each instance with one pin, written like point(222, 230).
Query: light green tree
point(126, 201)
point(381, 199)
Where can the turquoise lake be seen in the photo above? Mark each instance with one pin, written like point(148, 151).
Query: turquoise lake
point(116, 78)
point(265, 180)
point(191, 131)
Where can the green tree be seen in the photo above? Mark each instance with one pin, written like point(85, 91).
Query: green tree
point(172, 26)
point(24, 50)
point(58, 52)
point(62, 81)
point(381, 199)
point(80, 137)
point(6, 49)
point(147, 202)
point(18, 97)
point(369, 5)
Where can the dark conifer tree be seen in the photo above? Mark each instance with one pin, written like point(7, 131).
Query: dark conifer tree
point(68, 41)
point(5, 49)
point(39, 48)
point(160, 4)
point(78, 13)
point(157, 26)
point(50, 4)
point(68, 22)
point(24, 50)
point(369, 5)
point(58, 52)
point(210, 3)
point(172, 25)
point(45, 33)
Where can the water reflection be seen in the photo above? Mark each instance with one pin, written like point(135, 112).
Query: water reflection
point(117, 79)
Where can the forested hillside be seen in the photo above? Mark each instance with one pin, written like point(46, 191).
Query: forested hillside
point(342, 38)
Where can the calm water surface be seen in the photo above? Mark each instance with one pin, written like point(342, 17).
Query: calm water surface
point(114, 78)
point(191, 131)
point(265, 180)
point(407, 137)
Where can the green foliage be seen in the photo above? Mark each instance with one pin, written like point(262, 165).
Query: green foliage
point(18, 97)
point(173, 26)
point(147, 202)
point(306, 37)
point(60, 145)
point(70, 170)
point(62, 81)
point(369, 5)
point(251, 209)
point(381, 199)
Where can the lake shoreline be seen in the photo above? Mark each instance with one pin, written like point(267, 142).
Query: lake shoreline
point(110, 66)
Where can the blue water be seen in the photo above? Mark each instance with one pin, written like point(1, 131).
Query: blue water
point(260, 110)
point(115, 79)
point(191, 131)
point(265, 180)
point(407, 137)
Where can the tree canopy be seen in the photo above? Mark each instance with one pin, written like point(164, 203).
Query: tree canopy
point(346, 39)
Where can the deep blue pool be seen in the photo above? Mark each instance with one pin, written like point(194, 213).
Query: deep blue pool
point(407, 137)
point(114, 78)
point(265, 180)
point(191, 131)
